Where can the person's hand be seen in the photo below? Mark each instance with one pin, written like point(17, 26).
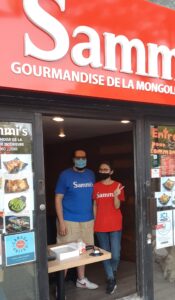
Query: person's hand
point(62, 229)
point(117, 191)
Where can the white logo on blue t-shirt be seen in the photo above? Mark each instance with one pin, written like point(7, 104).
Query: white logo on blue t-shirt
point(82, 185)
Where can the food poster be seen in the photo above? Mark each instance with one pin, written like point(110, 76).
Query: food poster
point(16, 176)
point(15, 164)
point(164, 191)
point(164, 229)
point(166, 196)
point(163, 199)
point(16, 191)
point(18, 223)
point(20, 248)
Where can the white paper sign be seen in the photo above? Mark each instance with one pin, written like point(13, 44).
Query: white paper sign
point(164, 229)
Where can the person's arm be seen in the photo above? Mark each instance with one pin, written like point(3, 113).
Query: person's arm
point(117, 192)
point(94, 208)
point(116, 201)
point(59, 212)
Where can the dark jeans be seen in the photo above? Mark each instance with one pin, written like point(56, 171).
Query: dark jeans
point(110, 241)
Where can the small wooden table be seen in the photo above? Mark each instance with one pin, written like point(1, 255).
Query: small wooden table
point(59, 267)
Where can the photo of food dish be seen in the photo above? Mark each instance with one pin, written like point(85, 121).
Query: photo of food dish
point(15, 186)
point(14, 166)
point(17, 204)
point(169, 184)
point(164, 199)
point(17, 224)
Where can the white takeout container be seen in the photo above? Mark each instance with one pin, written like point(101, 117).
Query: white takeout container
point(65, 251)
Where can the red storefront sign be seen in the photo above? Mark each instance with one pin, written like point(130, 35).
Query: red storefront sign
point(118, 49)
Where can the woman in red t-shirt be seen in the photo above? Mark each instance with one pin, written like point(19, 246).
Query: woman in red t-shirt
point(107, 196)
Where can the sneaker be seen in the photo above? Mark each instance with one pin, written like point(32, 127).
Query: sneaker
point(111, 286)
point(86, 284)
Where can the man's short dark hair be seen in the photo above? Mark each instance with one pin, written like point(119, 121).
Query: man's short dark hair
point(78, 149)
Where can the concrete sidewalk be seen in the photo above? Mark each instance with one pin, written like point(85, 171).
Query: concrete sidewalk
point(131, 297)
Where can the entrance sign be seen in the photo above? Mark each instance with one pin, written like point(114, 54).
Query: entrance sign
point(80, 48)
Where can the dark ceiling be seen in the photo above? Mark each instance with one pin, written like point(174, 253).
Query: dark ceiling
point(77, 128)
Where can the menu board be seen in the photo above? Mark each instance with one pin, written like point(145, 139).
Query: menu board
point(162, 165)
point(16, 178)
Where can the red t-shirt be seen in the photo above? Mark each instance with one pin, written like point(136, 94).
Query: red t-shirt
point(108, 218)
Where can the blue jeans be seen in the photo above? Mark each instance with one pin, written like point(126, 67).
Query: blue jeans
point(110, 241)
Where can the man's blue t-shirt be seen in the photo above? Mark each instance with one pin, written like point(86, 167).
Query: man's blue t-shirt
point(77, 188)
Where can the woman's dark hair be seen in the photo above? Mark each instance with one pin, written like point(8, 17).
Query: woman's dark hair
point(106, 162)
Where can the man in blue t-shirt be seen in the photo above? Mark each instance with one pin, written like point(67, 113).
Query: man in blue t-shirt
point(74, 208)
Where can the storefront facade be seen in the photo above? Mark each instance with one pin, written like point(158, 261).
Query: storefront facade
point(62, 56)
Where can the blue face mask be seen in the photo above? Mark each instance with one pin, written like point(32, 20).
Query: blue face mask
point(80, 163)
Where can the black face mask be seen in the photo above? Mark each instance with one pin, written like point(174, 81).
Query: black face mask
point(103, 176)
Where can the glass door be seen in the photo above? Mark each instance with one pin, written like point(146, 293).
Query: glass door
point(22, 210)
point(162, 209)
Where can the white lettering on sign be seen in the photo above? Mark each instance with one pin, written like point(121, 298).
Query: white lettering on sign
point(50, 25)
point(59, 74)
point(90, 78)
point(13, 131)
point(155, 87)
point(39, 17)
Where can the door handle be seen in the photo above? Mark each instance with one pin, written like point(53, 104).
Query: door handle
point(149, 238)
point(42, 207)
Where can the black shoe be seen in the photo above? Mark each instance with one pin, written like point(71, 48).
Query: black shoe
point(111, 286)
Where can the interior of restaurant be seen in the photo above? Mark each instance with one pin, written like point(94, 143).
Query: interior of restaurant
point(110, 140)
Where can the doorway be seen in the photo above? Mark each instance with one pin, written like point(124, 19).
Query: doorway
point(103, 140)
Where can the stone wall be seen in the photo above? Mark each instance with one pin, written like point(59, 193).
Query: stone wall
point(166, 259)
